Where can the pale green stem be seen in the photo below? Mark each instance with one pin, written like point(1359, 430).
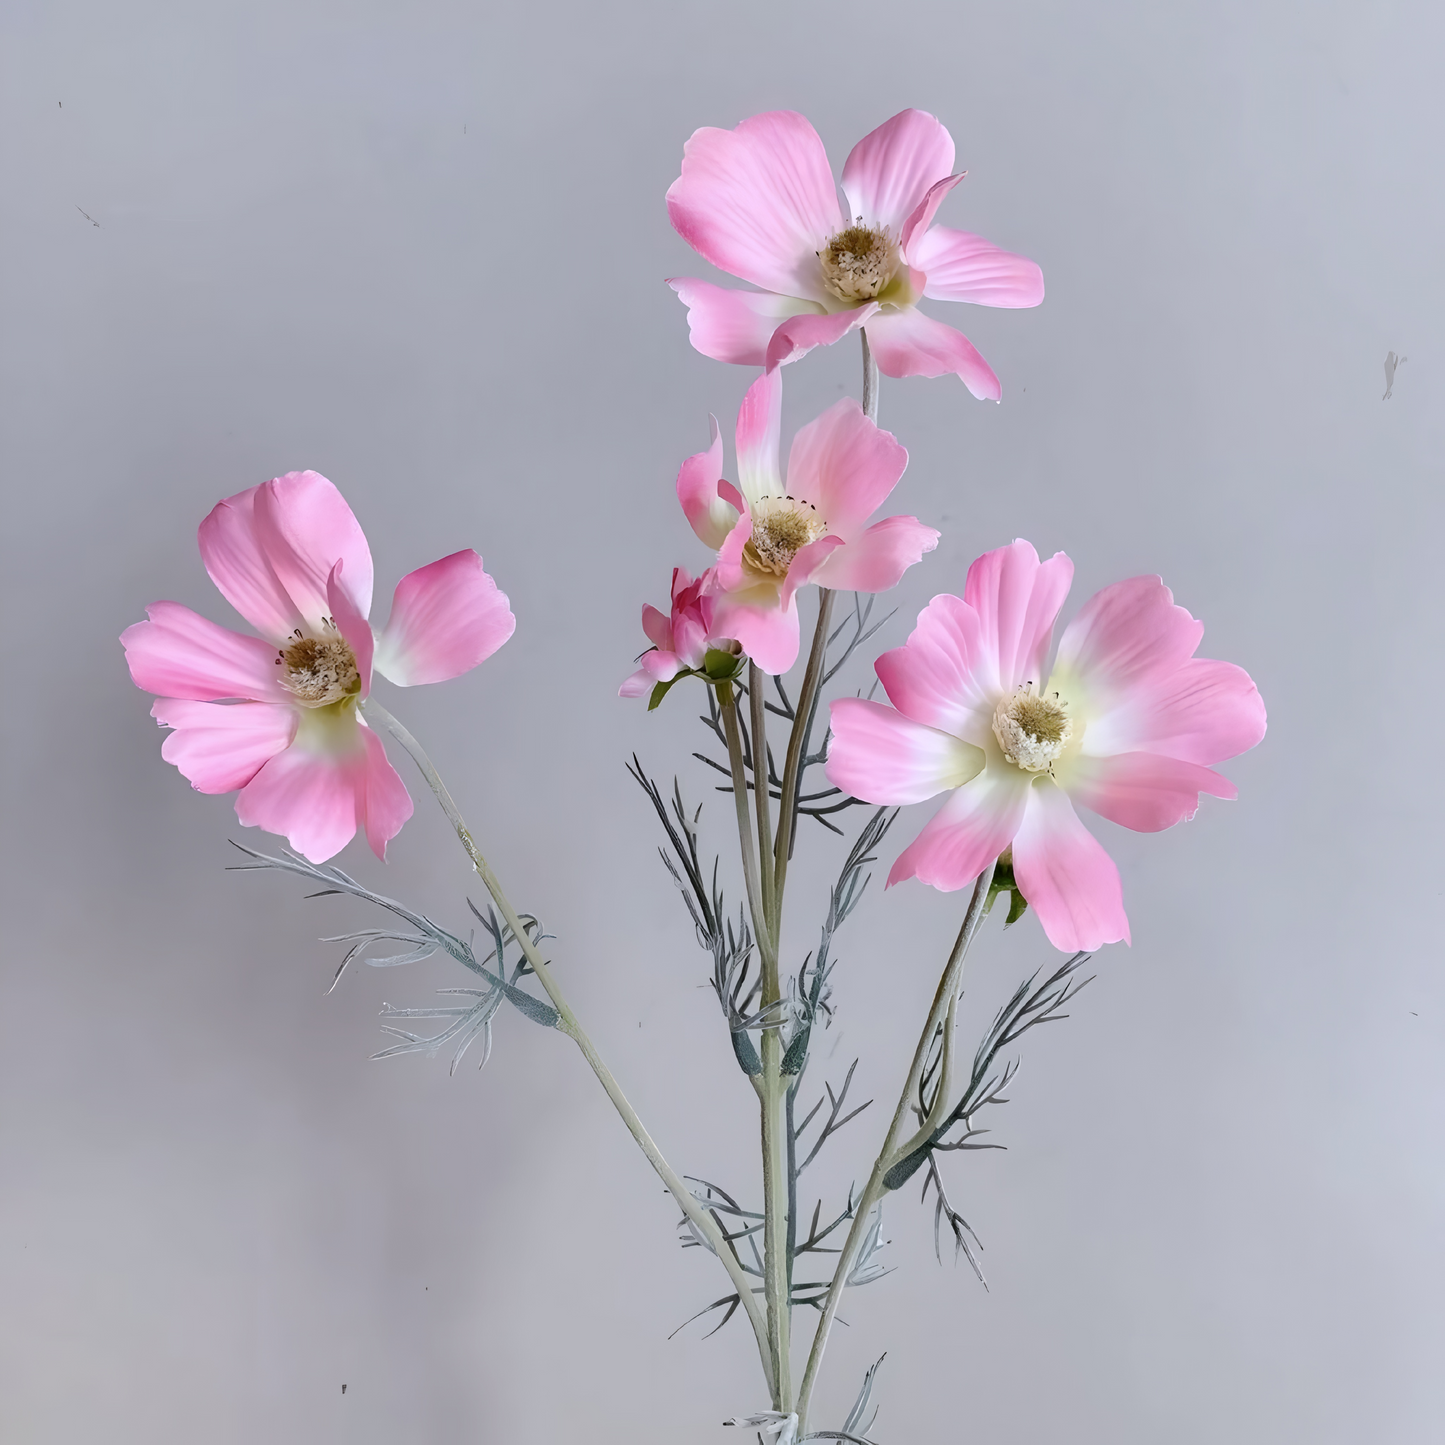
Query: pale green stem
point(701, 1219)
point(892, 1153)
point(759, 718)
point(728, 706)
point(870, 380)
point(772, 1095)
point(793, 765)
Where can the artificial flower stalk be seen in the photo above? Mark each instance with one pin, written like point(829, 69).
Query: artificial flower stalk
point(807, 704)
point(699, 1218)
point(766, 882)
point(769, 1082)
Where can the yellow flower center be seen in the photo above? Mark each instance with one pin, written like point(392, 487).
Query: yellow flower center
point(1033, 728)
point(319, 670)
point(859, 262)
point(782, 527)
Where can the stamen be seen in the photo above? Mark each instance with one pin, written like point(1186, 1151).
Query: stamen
point(782, 527)
point(859, 262)
point(1033, 728)
point(319, 670)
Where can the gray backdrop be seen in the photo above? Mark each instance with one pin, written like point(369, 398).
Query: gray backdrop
point(421, 248)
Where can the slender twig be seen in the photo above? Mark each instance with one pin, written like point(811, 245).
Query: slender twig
point(698, 1216)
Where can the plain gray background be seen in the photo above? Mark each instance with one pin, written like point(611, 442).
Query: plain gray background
point(421, 248)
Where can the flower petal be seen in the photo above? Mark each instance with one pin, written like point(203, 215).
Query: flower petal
point(760, 420)
point(735, 326)
point(1144, 791)
point(921, 218)
point(891, 169)
point(657, 666)
point(1067, 877)
point(179, 653)
point(220, 747)
point(697, 489)
point(305, 528)
point(1128, 656)
point(238, 565)
point(939, 676)
point(878, 559)
point(386, 803)
point(799, 335)
point(964, 267)
point(1203, 712)
point(314, 793)
point(759, 201)
point(446, 618)
point(1125, 635)
point(657, 626)
point(353, 627)
point(767, 630)
point(845, 466)
point(806, 564)
point(1017, 598)
point(729, 575)
point(881, 756)
point(908, 343)
point(968, 832)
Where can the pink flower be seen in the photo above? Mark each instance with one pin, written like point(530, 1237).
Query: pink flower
point(291, 558)
point(759, 202)
point(773, 537)
point(680, 643)
point(1127, 724)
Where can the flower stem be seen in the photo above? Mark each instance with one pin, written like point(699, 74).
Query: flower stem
point(770, 1085)
point(759, 720)
point(793, 766)
point(892, 1152)
point(701, 1219)
point(728, 706)
point(870, 379)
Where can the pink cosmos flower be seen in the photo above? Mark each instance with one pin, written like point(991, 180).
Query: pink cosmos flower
point(1127, 723)
point(772, 537)
point(680, 642)
point(759, 202)
point(290, 557)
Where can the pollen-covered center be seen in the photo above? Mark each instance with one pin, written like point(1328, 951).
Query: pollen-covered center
point(1033, 727)
point(859, 262)
point(782, 527)
point(319, 670)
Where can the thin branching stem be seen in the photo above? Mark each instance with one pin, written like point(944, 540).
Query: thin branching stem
point(891, 1154)
point(732, 735)
point(770, 1085)
point(792, 766)
point(699, 1217)
point(759, 720)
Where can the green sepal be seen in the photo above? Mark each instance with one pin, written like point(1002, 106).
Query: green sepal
point(720, 665)
point(660, 691)
point(1005, 882)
